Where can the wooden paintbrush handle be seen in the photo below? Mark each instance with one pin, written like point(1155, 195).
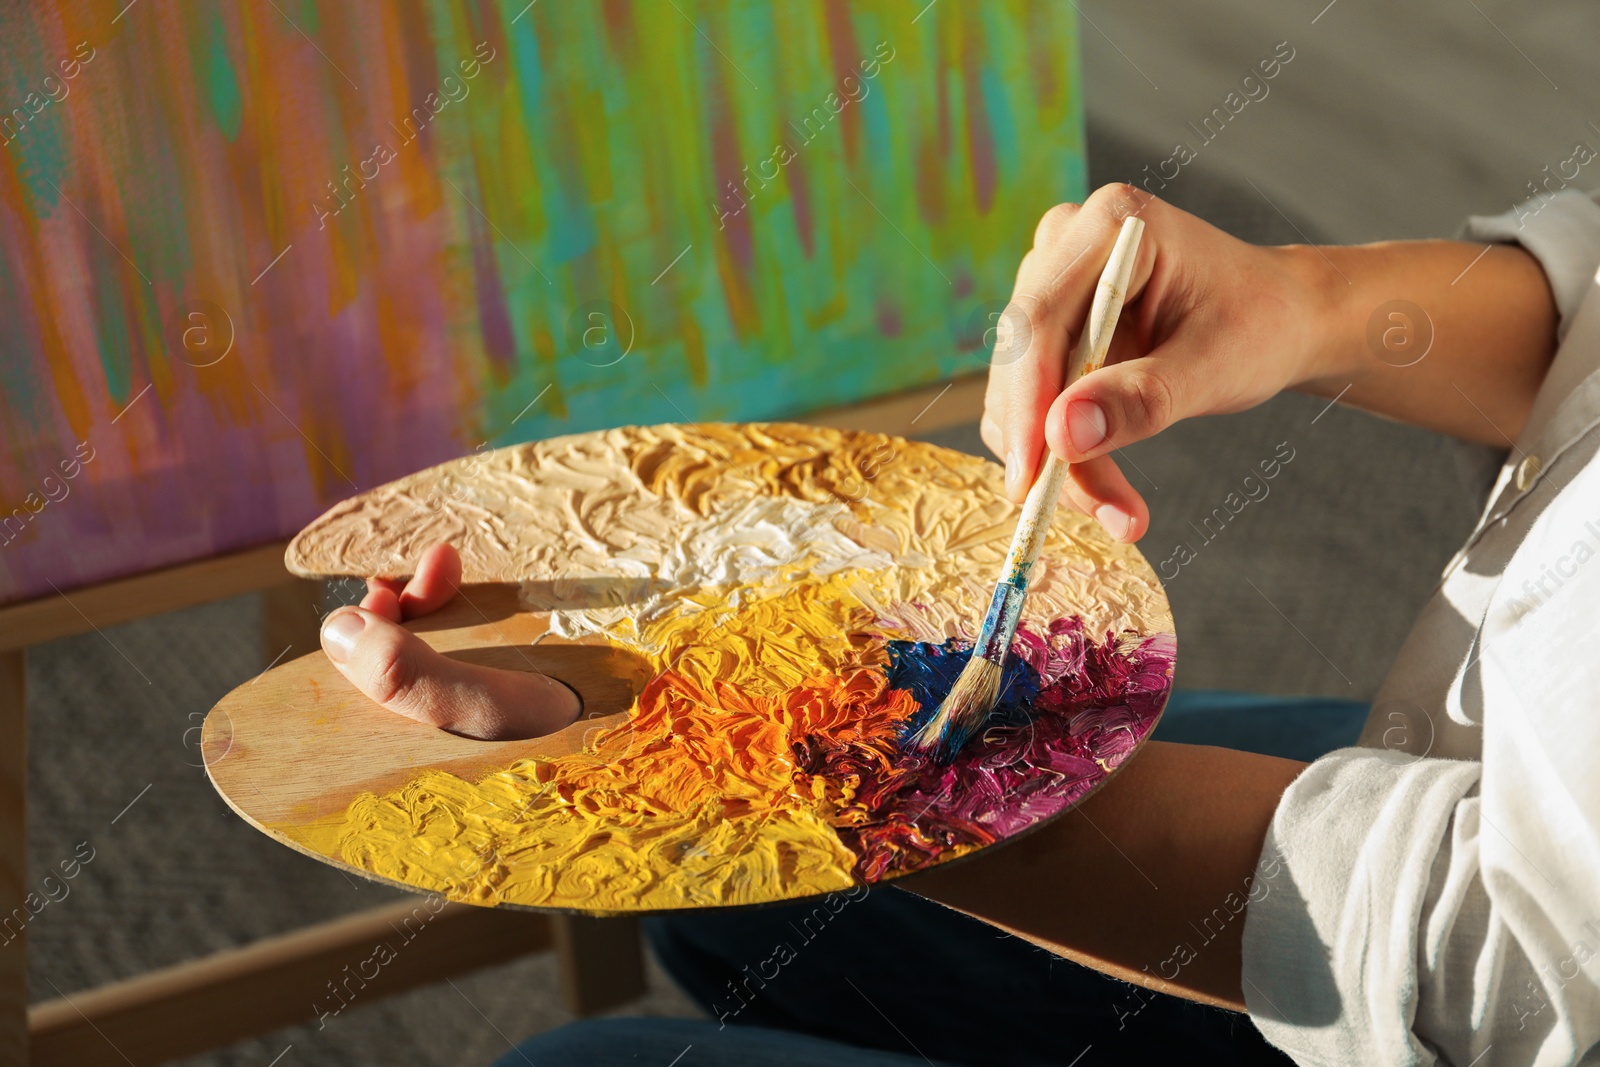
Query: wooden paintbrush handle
point(1087, 356)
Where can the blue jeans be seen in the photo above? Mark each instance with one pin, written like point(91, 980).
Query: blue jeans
point(888, 979)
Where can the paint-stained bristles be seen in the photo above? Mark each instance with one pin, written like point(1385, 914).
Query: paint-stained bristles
point(963, 712)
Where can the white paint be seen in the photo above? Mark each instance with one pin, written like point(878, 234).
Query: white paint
point(736, 548)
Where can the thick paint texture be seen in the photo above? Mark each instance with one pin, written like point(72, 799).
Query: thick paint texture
point(803, 597)
point(723, 790)
point(261, 257)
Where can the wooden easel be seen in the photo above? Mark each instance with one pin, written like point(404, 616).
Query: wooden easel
point(204, 1004)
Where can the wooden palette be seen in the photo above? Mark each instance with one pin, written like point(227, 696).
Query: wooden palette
point(628, 563)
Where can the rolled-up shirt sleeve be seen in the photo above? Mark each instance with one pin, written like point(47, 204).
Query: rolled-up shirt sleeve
point(1562, 233)
point(1330, 959)
point(1372, 938)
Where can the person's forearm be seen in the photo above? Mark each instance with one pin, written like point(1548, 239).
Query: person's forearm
point(1147, 880)
point(1439, 334)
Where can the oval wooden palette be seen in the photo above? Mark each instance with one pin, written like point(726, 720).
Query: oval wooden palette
point(753, 614)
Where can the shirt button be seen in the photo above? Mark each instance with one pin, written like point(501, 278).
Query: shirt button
point(1527, 471)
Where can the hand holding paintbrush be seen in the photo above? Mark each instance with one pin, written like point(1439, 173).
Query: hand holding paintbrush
point(973, 696)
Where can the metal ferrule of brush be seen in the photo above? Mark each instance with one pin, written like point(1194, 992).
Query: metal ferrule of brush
point(1000, 624)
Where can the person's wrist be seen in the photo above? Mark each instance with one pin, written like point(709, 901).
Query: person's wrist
point(1325, 352)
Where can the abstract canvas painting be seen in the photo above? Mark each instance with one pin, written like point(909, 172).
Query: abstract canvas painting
point(257, 257)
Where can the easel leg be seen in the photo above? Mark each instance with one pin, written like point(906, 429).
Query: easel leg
point(291, 619)
point(13, 858)
point(602, 961)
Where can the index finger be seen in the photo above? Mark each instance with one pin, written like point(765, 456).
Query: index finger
point(1054, 289)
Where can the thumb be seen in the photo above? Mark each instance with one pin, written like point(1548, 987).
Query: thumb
point(397, 669)
point(1115, 406)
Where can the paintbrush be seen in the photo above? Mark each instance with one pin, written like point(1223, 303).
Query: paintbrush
point(973, 696)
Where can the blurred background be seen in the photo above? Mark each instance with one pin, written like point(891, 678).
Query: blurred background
point(1388, 122)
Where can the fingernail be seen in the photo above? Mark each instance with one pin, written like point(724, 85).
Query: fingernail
point(1086, 424)
point(1116, 521)
point(1013, 473)
point(339, 636)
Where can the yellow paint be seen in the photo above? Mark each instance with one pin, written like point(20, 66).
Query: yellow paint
point(696, 800)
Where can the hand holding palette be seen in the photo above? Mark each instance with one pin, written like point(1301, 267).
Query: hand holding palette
point(756, 616)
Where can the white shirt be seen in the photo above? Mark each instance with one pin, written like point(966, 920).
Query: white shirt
point(1433, 896)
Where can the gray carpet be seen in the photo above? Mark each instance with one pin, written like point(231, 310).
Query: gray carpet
point(1391, 120)
point(1307, 591)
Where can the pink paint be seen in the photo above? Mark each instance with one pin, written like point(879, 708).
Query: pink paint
point(1072, 710)
point(727, 168)
point(980, 138)
point(889, 320)
point(499, 343)
point(846, 64)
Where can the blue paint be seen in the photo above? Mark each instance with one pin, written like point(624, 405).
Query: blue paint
point(928, 671)
point(875, 122)
point(214, 70)
point(1000, 624)
point(569, 221)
